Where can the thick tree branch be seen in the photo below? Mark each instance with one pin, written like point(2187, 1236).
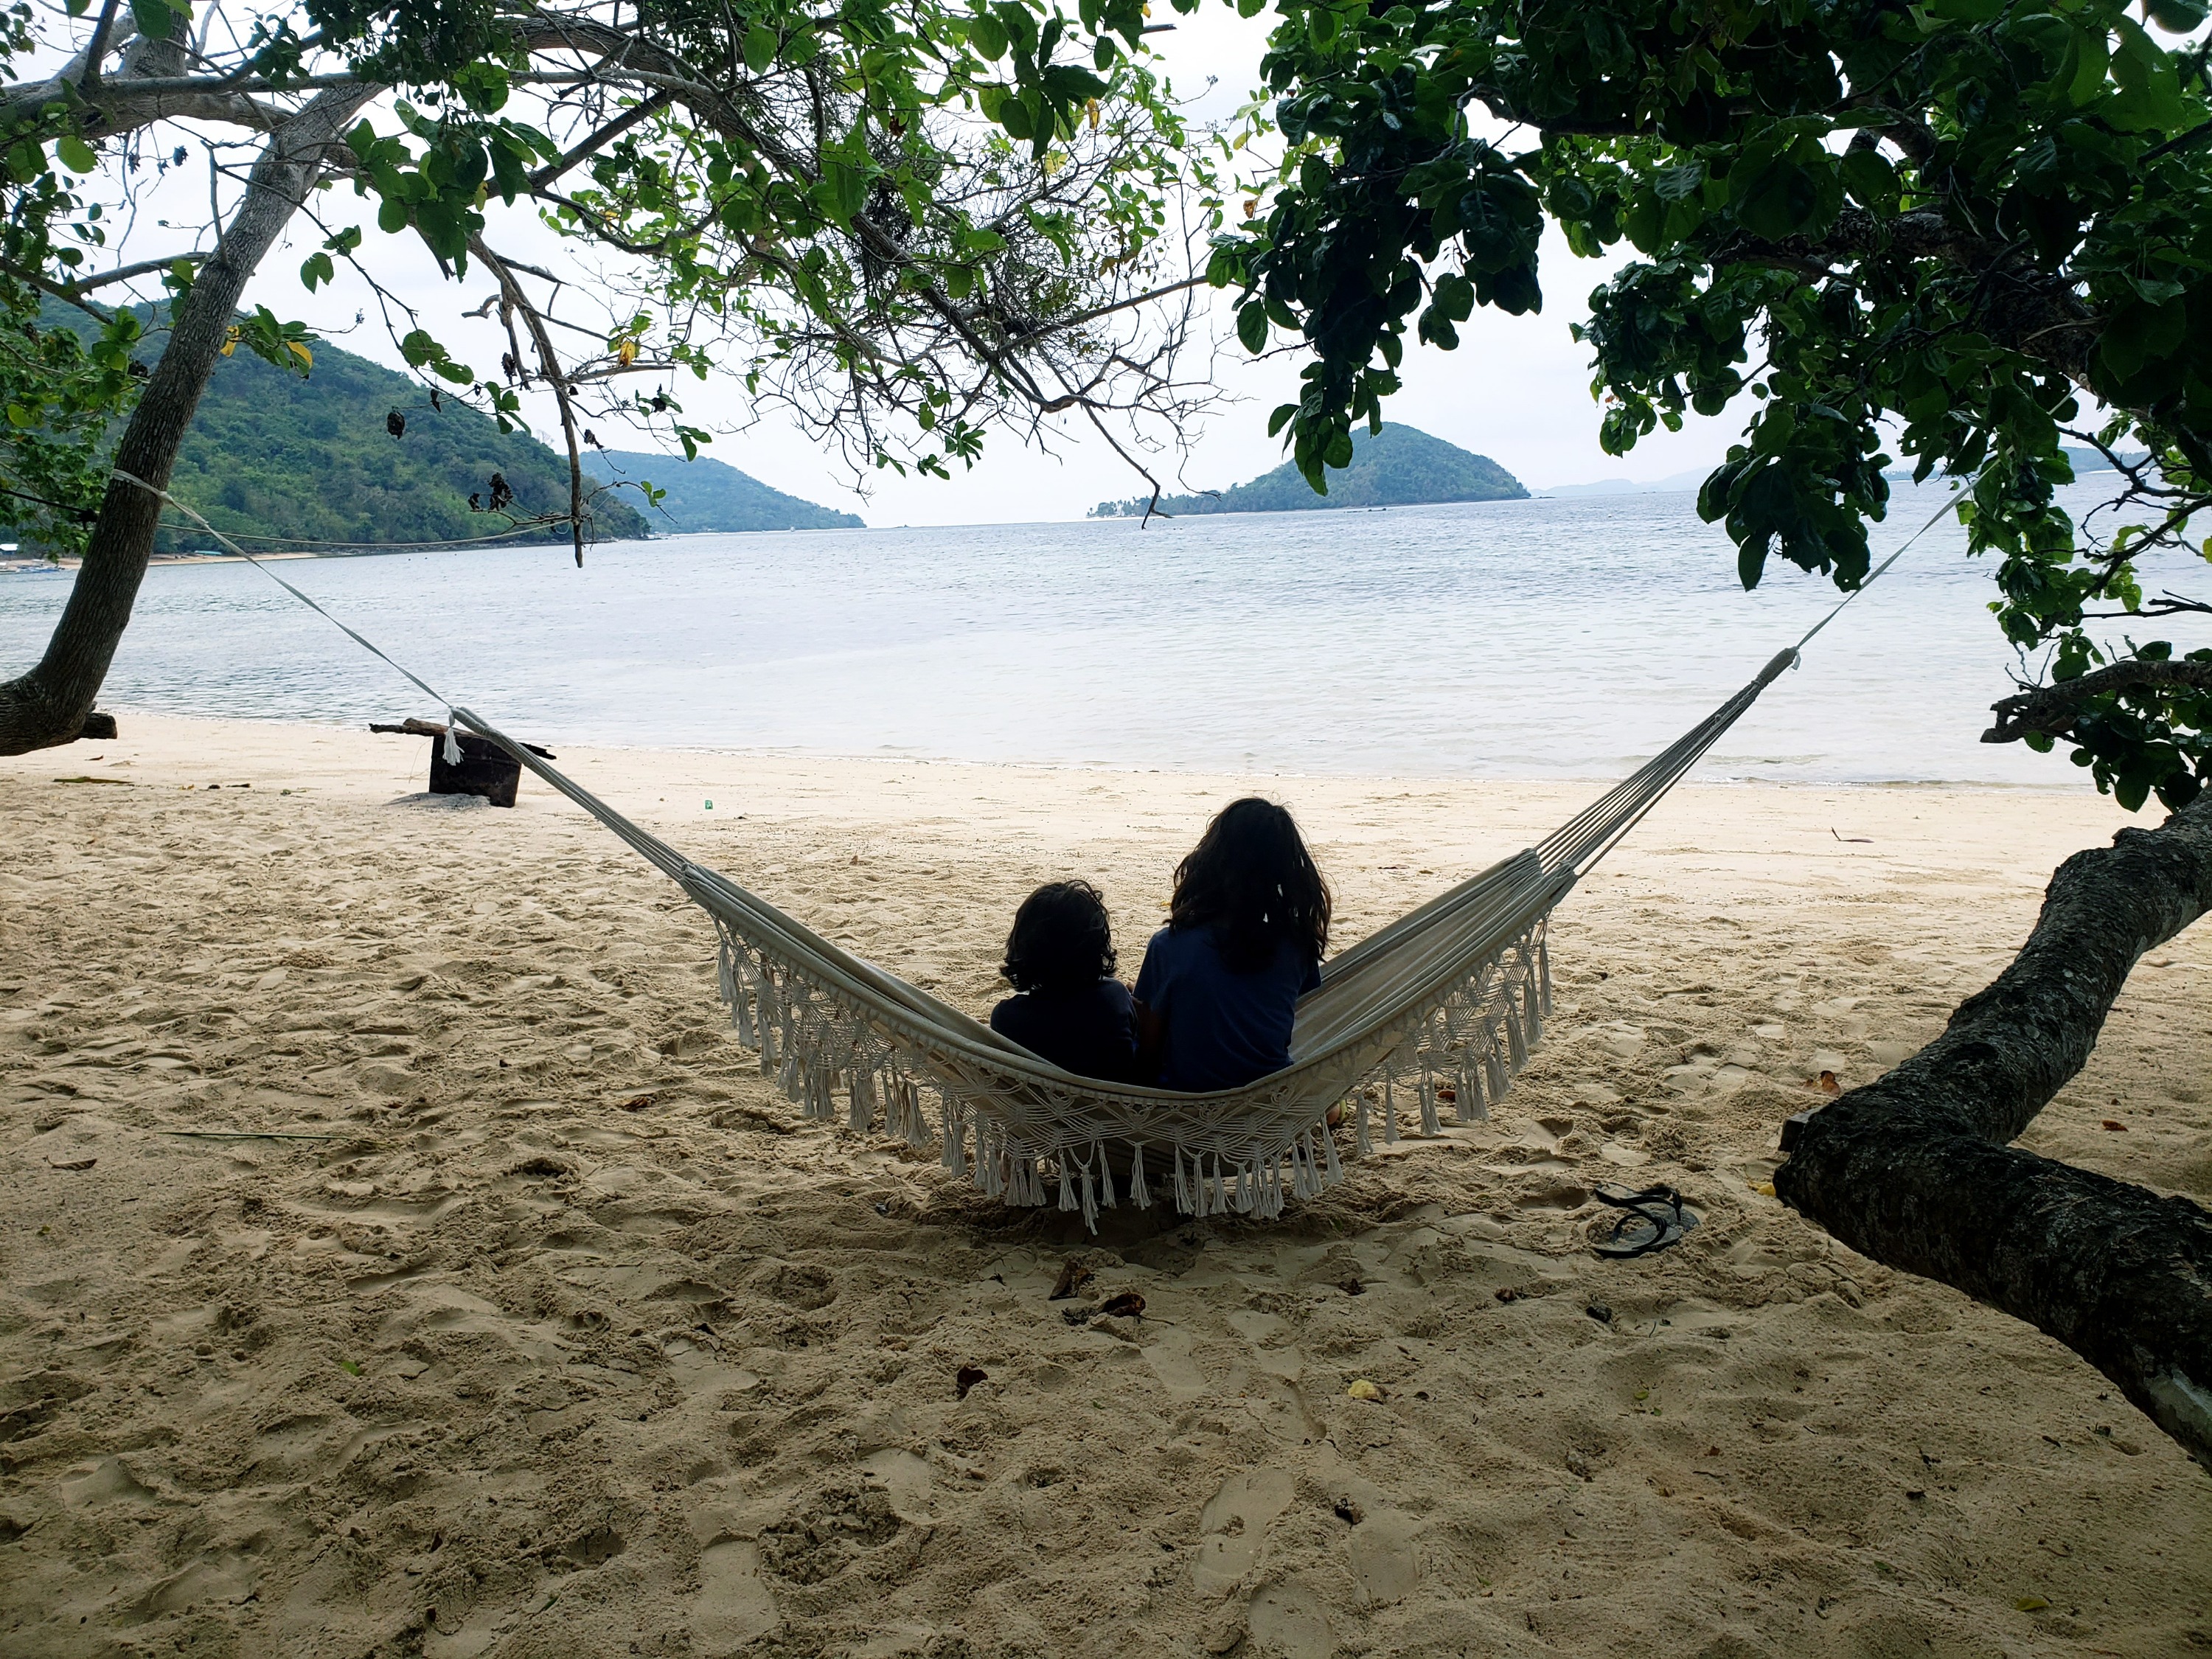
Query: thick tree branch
point(2054, 709)
point(1914, 1170)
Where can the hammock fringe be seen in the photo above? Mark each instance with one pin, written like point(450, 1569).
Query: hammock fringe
point(816, 1044)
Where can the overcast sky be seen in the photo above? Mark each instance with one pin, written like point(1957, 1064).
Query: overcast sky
point(1516, 389)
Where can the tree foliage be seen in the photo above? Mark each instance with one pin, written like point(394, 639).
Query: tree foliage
point(910, 221)
point(1962, 230)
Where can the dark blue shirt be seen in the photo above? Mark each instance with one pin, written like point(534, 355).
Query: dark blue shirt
point(1090, 1030)
point(1224, 1029)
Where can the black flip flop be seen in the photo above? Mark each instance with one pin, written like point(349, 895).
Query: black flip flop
point(1656, 1217)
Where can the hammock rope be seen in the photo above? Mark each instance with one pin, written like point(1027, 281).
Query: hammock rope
point(1438, 1009)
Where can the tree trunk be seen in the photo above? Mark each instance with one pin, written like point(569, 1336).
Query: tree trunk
point(1913, 1170)
point(48, 705)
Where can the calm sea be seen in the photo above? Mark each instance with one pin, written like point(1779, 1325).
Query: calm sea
point(1516, 639)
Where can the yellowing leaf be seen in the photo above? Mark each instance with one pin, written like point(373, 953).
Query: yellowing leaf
point(626, 351)
point(302, 352)
point(2031, 1604)
point(1363, 1389)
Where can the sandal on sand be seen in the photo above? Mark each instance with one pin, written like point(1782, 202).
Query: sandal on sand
point(1656, 1217)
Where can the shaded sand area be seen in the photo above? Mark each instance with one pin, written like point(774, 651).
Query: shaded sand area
point(558, 1334)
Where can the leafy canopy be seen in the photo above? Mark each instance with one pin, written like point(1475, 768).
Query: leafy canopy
point(1961, 228)
point(911, 221)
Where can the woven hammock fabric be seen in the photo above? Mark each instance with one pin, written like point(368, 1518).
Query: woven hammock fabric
point(1436, 1011)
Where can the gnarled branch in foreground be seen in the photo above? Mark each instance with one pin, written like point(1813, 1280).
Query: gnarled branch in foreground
point(1914, 1170)
point(2052, 710)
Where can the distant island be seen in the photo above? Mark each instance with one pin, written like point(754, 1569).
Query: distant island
point(708, 494)
point(1398, 467)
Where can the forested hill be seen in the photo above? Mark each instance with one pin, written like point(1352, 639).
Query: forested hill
point(1398, 466)
point(709, 494)
point(272, 455)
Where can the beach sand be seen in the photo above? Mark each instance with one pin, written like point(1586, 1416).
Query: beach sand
point(557, 1333)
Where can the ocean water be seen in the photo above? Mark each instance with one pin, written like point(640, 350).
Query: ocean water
point(1515, 639)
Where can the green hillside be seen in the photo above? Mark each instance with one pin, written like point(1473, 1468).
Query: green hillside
point(271, 454)
point(1398, 466)
point(709, 494)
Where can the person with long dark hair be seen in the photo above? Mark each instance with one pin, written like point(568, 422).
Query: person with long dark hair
point(1067, 1007)
point(1246, 932)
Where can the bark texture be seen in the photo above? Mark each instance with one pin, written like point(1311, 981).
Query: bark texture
point(48, 705)
point(1914, 1170)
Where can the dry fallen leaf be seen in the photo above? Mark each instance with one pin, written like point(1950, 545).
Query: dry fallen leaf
point(1073, 1276)
point(1363, 1389)
point(2031, 1604)
point(74, 1164)
point(1825, 1082)
point(1127, 1305)
point(1764, 1188)
point(639, 1102)
point(966, 1379)
point(2114, 1123)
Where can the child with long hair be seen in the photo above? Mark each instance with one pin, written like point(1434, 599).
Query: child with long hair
point(1220, 985)
point(1067, 1007)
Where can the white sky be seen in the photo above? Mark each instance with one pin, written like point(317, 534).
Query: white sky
point(1516, 389)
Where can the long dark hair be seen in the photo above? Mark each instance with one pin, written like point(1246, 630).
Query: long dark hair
point(1251, 877)
point(1061, 941)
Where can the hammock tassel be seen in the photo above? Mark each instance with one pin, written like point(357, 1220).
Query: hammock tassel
point(954, 1156)
point(453, 751)
point(1516, 1040)
point(1335, 1164)
point(1544, 973)
point(1501, 1083)
point(860, 1116)
point(1090, 1199)
point(1363, 1143)
point(1182, 1201)
point(1430, 1126)
point(1389, 1111)
point(1105, 1175)
point(1140, 1194)
point(1241, 1196)
point(1219, 1187)
point(1472, 1109)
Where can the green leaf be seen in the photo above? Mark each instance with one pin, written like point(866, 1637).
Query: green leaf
point(76, 155)
point(760, 48)
point(988, 36)
point(1870, 179)
point(1777, 202)
point(1252, 326)
point(155, 18)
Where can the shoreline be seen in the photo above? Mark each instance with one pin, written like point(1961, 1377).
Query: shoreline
point(837, 758)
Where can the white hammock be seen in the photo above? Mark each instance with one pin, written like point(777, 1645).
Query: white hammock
point(1437, 1010)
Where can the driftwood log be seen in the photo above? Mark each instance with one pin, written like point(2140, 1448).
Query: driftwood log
point(1914, 1170)
point(411, 727)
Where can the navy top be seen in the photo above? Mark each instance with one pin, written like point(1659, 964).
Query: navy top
point(1088, 1029)
point(1225, 1028)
